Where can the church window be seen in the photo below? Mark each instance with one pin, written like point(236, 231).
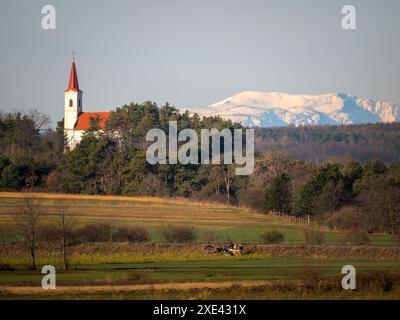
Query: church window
point(71, 103)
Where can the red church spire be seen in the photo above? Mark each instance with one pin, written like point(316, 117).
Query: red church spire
point(73, 79)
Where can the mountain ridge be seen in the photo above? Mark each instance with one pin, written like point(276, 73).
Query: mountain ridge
point(274, 109)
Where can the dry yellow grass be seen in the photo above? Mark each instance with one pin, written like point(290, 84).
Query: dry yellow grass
point(141, 287)
point(139, 210)
point(154, 214)
point(55, 196)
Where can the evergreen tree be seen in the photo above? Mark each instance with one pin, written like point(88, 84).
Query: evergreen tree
point(325, 192)
point(278, 195)
point(80, 168)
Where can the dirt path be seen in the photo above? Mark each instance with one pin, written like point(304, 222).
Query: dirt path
point(140, 287)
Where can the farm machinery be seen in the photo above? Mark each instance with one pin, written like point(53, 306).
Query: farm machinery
point(231, 249)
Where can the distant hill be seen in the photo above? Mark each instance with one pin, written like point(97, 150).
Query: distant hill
point(277, 109)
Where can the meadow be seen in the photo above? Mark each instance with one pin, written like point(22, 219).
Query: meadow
point(213, 221)
point(271, 278)
point(160, 270)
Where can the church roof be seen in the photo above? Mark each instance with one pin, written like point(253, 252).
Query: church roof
point(84, 120)
point(73, 79)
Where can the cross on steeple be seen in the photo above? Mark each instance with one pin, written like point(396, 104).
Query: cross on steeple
point(73, 55)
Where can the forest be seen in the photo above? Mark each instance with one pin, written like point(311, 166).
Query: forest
point(320, 144)
point(347, 177)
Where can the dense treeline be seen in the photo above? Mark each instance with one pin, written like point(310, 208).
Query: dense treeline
point(28, 153)
point(345, 196)
point(114, 162)
point(321, 144)
point(362, 195)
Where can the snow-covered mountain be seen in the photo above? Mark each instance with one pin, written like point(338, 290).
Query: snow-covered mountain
point(280, 109)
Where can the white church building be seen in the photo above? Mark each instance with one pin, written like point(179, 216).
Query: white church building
point(75, 120)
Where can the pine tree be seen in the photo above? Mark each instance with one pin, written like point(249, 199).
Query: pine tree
point(278, 195)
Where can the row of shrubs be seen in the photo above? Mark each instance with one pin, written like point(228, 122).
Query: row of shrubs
point(96, 232)
point(106, 232)
point(316, 237)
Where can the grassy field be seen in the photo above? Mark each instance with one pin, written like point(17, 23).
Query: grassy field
point(256, 279)
point(222, 223)
point(162, 271)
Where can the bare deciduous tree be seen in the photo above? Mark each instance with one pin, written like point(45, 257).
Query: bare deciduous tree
point(380, 202)
point(27, 222)
point(229, 177)
point(41, 121)
point(65, 227)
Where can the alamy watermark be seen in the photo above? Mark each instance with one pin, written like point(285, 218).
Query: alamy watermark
point(349, 20)
point(349, 280)
point(188, 152)
point(49, 20)
point(49, 280)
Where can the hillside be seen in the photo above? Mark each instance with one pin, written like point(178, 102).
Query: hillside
point(210, 221)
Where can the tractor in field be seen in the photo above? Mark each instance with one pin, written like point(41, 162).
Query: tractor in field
point(231, 249)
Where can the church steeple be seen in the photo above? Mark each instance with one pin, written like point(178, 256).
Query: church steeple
point(72, 100)
point(73, 79)
point(75, 120)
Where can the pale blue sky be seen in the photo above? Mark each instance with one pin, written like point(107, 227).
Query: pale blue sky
point(195, 52)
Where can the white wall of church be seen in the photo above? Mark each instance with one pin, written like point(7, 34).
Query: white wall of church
point(73, 137)
point(71, 112)
point(72, 109)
